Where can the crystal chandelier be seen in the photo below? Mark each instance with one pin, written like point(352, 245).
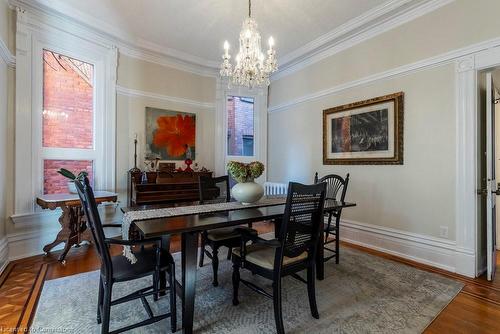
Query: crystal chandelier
point(252, 69)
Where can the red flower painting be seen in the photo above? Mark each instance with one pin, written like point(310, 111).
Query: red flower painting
point(175, 134)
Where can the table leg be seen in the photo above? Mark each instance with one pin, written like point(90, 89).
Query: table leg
point(64, 233)
point(165, 244)
point(189, 245)
point(85, 234)
point(320, 255)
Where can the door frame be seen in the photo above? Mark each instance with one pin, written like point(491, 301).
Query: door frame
point(467, 158)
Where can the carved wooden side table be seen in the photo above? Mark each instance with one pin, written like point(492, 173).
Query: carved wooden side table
point(73, 225)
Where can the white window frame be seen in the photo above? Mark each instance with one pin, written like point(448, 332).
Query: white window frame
point(34, 34)
point(260, 126)
point(256, 128)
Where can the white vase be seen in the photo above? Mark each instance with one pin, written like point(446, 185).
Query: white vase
point(247, 192)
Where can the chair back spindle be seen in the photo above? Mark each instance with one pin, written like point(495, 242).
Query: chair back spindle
point(302, 220)
point(214, 189)
point(336, 188)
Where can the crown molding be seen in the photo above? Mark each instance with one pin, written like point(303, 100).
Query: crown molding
point(371, 24)
point(342, 31)
point(61, 15)
point(6, 55)
point(368, 25)
point(443, 59)
point(159, 58)
point(139, 93)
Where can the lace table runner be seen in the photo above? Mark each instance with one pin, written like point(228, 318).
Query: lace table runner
point(132, 216)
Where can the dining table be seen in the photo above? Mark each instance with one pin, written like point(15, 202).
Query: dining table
point(189, 226)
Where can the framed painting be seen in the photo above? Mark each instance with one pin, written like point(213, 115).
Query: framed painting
point(170, 135)
point(368, 132)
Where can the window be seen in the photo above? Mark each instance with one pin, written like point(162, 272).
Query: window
point(55, 183)
point(68, 103)
point(240, 126)
point(67, 118)
point(65, 110)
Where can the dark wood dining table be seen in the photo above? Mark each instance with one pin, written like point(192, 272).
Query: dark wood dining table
point(189, 227)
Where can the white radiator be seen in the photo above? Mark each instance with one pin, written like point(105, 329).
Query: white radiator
point(275, 188)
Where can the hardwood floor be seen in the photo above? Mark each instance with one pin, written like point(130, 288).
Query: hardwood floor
point(476, 309)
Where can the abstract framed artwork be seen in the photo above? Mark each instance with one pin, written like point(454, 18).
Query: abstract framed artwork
point(170, 135)
point(367, 132)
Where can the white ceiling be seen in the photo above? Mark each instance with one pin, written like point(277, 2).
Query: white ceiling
point(197, 28)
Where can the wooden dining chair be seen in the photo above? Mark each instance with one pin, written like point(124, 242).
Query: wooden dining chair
point(336, 190)
point(292, 251)
point(216, 190)
point(152, 260)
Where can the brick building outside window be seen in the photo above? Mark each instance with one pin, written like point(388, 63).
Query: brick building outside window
point(240, 126)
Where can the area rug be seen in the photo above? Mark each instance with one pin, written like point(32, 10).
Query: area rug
point(362, 294)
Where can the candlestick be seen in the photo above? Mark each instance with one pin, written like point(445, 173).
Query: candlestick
point(135, 169)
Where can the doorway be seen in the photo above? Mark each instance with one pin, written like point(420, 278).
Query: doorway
point(489, 162)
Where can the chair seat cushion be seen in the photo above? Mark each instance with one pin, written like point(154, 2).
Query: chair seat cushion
point(123, 270)
point(222, 234)
point(263, 256)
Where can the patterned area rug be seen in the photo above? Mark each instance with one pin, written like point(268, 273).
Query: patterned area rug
point(362, 294)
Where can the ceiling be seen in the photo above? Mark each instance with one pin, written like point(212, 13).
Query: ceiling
point(199, 27)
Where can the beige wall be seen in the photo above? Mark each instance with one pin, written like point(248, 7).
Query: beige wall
point(407, 197)
point(149, 77)
point(419, 196)
point(154, 78)
point(4, 22)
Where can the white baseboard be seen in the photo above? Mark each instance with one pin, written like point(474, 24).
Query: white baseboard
point(436, 252)
point(26, 244)
point(4, 254)
point(41, 228)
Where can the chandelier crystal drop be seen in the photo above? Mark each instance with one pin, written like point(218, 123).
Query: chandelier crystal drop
point(252, 68)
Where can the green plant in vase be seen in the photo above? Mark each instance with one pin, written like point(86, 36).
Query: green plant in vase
point(72, 177)
point(246, 190)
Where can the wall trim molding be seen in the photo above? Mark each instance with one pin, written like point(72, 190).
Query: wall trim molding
point(6, 55)
point(27, 244)
point(425, 64)
point(436, 252)
point(33, 34)
point(140, 93)
point(22, 220)
point(160, 58)
point(362, 28)
point(468, 169)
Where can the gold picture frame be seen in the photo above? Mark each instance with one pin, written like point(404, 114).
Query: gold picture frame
point(368, 132)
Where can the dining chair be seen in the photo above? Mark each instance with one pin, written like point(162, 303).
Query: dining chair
point(292, 251)
point(336, 190)
point(216, 190)
point(152, 260)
